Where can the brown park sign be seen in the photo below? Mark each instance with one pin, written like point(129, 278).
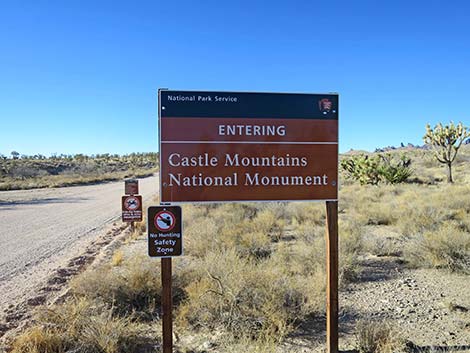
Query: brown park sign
point(233, 146)
point(165, 236)
point(132, 208)
point(131, 186)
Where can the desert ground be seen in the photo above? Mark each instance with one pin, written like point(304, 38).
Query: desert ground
point(45, 232)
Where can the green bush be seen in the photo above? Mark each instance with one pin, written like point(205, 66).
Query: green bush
point(394, 171)
point(377, 168)
point(362, 168)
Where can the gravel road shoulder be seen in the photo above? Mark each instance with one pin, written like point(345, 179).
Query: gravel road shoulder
point(48, 235)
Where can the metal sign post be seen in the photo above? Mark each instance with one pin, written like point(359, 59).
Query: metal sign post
point(332, 276)
point(167, 304)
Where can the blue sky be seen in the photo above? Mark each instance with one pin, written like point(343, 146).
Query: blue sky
point(82, 76)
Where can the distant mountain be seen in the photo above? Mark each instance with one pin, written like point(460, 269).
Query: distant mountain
point(402, 146)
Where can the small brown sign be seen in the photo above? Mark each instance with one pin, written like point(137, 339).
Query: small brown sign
point(165, 234)
point(132, 208)
point(131, 187)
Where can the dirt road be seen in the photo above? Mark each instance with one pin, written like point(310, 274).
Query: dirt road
point(42, 229)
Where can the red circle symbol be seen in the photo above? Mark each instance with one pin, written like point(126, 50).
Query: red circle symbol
point(131, 203)
point(164, 221)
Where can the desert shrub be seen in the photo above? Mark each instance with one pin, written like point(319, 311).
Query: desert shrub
point(192, 213)
point(373, 169)
point(351, 246)
point(383, 246)
point(362, 168)
point(264, 221)
point(417, 220)
point(453, 197)
point(254, 244)
point(250, 230)
point(308, 231)
point(117, 258)
point(39, 339)
point(307, 256)
point(232, 344)
point(246, 242)
point(132, 287)
point(80, 326)
point(394, 170)
point(370, 205)
point(242, 297)
point(201, 236)
point(462, 218)
point(304, 263)
point(446, 247)
point(271, 220)
point(425, 209)
point(304, 257)
point(301, 212)
point(233, 213)
point(376, 213)
point(377, 337)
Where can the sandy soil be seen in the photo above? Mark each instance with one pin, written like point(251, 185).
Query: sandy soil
point(46, 231)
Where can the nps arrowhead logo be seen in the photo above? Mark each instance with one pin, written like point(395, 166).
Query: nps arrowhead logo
point(326, 106)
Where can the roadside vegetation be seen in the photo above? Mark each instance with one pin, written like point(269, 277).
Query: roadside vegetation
point(253, 274)
point(28, 172)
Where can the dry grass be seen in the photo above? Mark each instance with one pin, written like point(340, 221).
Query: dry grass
point(81, 326)
point(430, 223)
point(244, 298)
point(118, 258)
point(133, 287)
point(377, 337)
point(448, 247)
point(351, 246)
point(380, 245)
point(247, 229)
point(39, 339)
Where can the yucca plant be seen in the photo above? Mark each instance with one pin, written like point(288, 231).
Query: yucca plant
point(446, 141)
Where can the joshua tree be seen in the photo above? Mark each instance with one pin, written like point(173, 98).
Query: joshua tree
point(446, 141)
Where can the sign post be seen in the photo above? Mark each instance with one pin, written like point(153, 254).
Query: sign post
point(332, 276)
point(165, 240)
point(241, 146)
point(167, 304)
